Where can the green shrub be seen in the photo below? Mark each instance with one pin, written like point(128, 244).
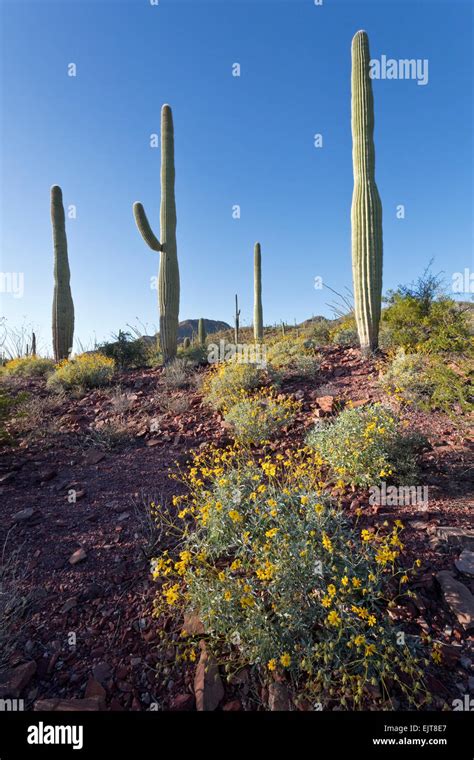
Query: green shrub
point(345, 333)
point(421, 318)
point(319, 332)
point(126, 351)
point(28, 366)
point(258, 417)
point(429, 383)
point(84, 371)
point(365, 447)
point(285, 350)
point(226, 380)
point(283, 584)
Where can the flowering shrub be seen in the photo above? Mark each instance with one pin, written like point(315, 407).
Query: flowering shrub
point(28, 366)
point(84, 371)
point(280, 581)
point(365, 446)
point(287, 350)
point(428, 382)
point(257, 417)
point(226, 380)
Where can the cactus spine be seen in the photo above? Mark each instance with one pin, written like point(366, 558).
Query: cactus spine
point(257, 294)
point(201, 333)
point(168, 279)
point(366, 212)
point(63, 306)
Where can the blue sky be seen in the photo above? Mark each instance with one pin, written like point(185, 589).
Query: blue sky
point(244, 140)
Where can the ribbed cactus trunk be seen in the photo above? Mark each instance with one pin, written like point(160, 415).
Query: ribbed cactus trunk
point(201, 332)
point(168, 279)
point(63, 306)
point(366, 213)
point(186, 343)
point(257, 294)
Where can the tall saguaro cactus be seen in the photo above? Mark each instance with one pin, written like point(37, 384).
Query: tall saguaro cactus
point(366, 212)
point(63, 306)
point(257, 294)
point(168, 279)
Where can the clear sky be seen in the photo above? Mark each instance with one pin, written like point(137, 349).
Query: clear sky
point(245, 140)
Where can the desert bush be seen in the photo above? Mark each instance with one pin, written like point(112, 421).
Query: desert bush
point(176, 374)
point(36, 416)
point(319, 332)
point(429, 383)
point(225, 381)
point(28, 366)
point(89, 370)
point(285, 350)
point(345, 333)
point(420, 317)
point(282, 583)
point(257, 417)
point(366, 446)
point(125, 350)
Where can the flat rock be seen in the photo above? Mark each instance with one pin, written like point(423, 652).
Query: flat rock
point(78, 556)
point(90, 704)
point(326, 403)
point(94, 457)
point(23, 514)
point(458, 598)
point(182, 702)
point(102, 672)
point(456, 536)
point(208, 688)
point(465, 562)
point(95, 689)
point(278, 697)
point(13, 681)
point(192, 625)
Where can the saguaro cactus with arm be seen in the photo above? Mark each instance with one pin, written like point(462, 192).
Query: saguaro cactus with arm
point(63, 306)
point(168, 279)
point(366, 212)
point(257, 294)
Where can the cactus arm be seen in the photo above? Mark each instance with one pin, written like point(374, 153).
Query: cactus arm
point(144, 227)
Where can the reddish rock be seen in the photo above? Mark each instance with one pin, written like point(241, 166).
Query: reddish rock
point(208, 688)
point(78, 556)
point(95, 689)
point(13, 681)
point(182, 702)
point(233, 706)
point(91, 704)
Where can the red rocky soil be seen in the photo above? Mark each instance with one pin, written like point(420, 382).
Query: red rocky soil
point(87, 632)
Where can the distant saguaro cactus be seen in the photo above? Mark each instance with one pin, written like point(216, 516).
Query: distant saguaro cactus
point(201, 332)
point(63, 306)
point(257, 294)
point(366, 212)
point(236, 321)
point(168, 279)
point(33, 344)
